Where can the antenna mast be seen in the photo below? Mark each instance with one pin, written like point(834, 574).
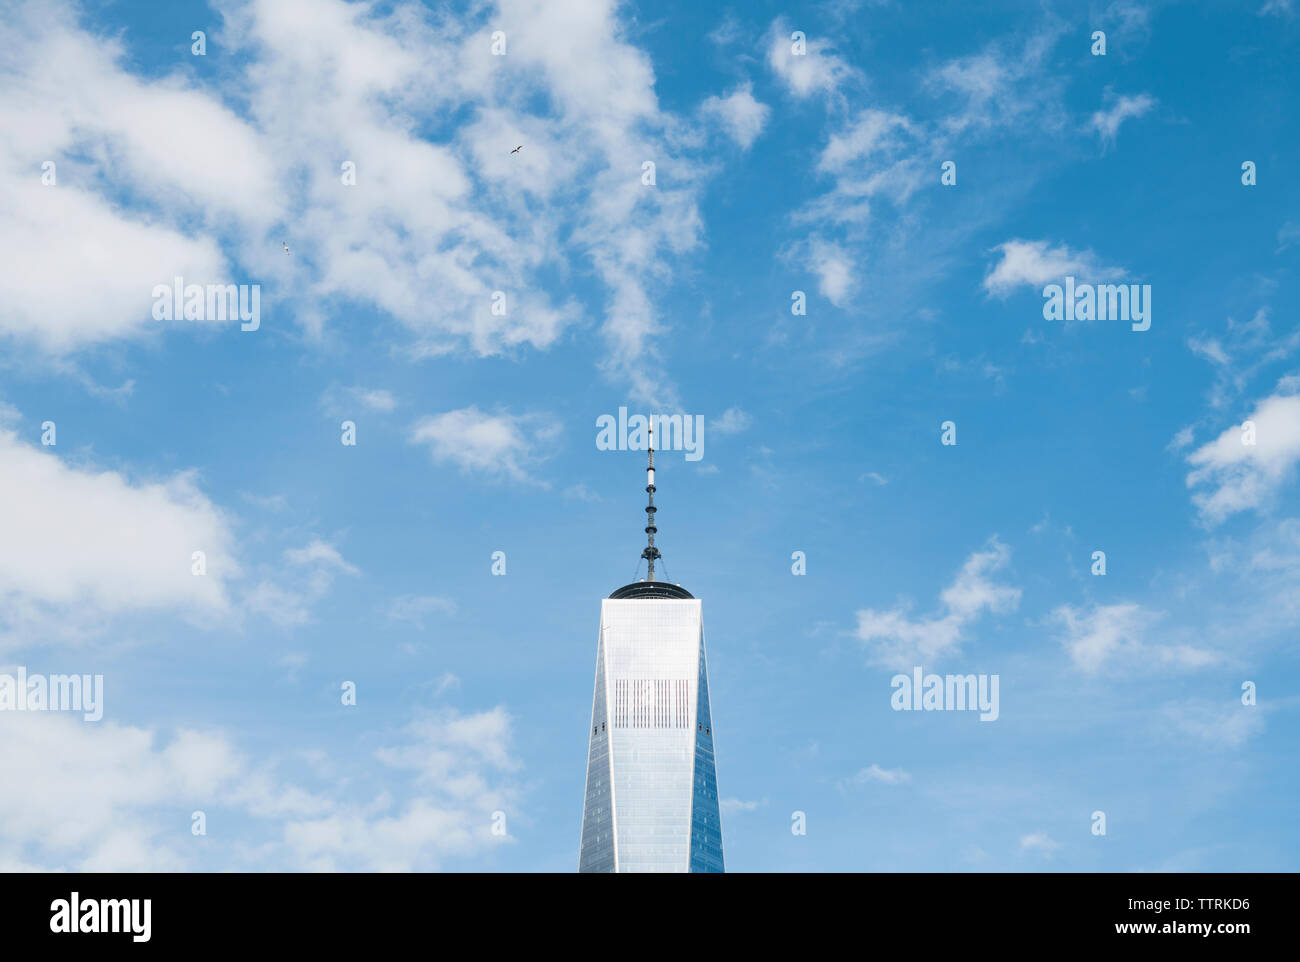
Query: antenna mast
point(651, 553)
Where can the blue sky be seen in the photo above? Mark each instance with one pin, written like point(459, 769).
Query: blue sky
point(774, 172)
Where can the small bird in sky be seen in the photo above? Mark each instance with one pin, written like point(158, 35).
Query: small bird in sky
point(286, 247)
point(517, 149)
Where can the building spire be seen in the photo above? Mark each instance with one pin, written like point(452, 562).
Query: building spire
point(651, 553)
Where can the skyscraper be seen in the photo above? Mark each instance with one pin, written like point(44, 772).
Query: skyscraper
point(652, 789)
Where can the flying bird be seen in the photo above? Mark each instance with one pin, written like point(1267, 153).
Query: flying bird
point(517, 149)
point(286, 247)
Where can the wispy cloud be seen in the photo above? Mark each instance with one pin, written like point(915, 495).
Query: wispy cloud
point(817, 70)
point(1036, 263)
point(884, 776)
point(498, 445)
point(1106, 122)
point(378, 400)
point(731, 421)
point(580, 492)
point(287, 595)
point(1039, 842)
point(1288, 235)
point(416, 608)
point(318, 552)
point(1240, 352)
point(895, 640)
point(1004, 85)
point(1228, 724)
point(1115, 636)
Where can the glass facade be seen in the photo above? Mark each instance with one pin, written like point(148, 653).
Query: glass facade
point(706, 823)
point(598, 810)
point(652, 801)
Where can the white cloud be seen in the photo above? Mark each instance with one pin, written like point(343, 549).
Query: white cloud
point(1035, 263)
point(116, 263)
point(982, 78)
point(460, 765)
point(1127, 19)
point(895, 640)
point(1107, 122)
point(340, 402)
point(1287, 235)
point(818, 70)
point(872, 133)
point(580, 492)
point(294, 661)
point(1230, 476)
point(878, 154)
point(162, 140)
point(415, 608)
point(81, 542)
point(1184, 437)
point(1279, 547)
point(468, 196)
point(834, 269)
point(1095, 637)
point(1228, 725)
point(1241, 352)
point(727, 32)
point(1000, 87)
point(731, 421)
point(886, 776)
point(331, 81)
point(1114, 636)
point(500, 445)
point(739, 114)
point(281, 605)
point(1038, 842)
point(269, 502)
point(378, 399)
point(446, 682)
point(105, 798)
point(318, 552)
point(286, 597)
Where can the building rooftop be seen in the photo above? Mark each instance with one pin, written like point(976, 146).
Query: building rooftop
point(638, 590)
